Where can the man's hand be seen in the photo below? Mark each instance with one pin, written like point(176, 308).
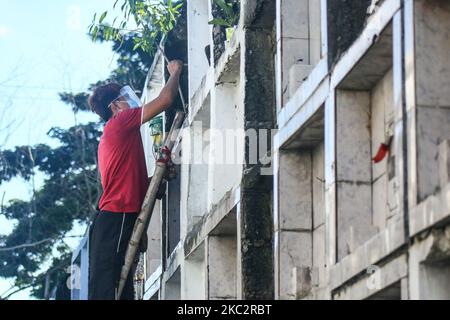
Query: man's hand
point(175, 67)
point(167, 94)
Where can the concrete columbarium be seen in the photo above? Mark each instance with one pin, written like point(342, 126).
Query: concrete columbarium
point(357, 206)
point(351, 198)
point(379, 92)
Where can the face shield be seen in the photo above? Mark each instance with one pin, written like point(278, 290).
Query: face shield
point(129, 96)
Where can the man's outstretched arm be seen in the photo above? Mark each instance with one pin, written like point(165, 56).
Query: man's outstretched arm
point(167, 94)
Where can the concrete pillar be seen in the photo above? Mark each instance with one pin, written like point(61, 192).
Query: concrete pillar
point(199, 36)
point(318, 223)
point(429, 267)
point(255, 222)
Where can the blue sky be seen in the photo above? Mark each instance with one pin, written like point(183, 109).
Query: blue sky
point(44, 50)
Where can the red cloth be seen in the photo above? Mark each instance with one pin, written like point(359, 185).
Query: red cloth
point(121, 163)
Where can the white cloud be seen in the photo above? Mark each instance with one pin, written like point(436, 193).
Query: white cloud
point(4, 31)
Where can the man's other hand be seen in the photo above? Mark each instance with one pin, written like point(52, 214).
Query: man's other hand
point(175, 67)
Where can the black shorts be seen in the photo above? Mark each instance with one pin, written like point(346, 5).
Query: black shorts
point(108, 241)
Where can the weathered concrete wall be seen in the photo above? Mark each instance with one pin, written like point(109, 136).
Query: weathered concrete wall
point(432, 89)
point(173, 212)
point(293, 231)
point(429, 266)
point(345, 22)
point(382, 120)
point(196, 151)
point(337, 226)
point(353, 170)
point(318, 197)
point(193, 275)
point(226, 145)
point(153, 254)
point(257, 72)
point(298, 41)
point(222, 267)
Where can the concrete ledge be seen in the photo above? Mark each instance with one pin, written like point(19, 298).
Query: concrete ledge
point(227, 67)
point(303, 93)
point(431, 211)
point(303, 115)
point(375, 280)
point(152, 284)
point(371, 252)
point(211, 220)
point(376, 24)
point(173, 261)
point(198, 99)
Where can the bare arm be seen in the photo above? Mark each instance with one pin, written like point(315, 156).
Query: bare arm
point(167, 94)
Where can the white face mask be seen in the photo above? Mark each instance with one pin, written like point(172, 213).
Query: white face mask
point(127, 94)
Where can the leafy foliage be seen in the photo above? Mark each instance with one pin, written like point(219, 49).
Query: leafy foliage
point(151, 20)
point(228, 13)
point(69, 194)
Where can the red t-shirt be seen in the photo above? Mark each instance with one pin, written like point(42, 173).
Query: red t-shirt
point(121, 163)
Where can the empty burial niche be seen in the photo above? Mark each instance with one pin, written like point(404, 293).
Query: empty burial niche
point(172, 210)
point(153, 253)
point(432, 75)
point(365, 156)
point(222, 260)
point(434, 281)
point(196, 153)
point(227, 135)
point(173, 286)
point(392, 292)
point(193, 273)
point(299, 42)
point(300, 227)
point(155, 296)
point(199, 37)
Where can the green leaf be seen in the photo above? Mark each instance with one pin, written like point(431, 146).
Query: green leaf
point(122, 7)
point(107, 33)
point(102, 17)
point(137, 45)
point(225, 7)
point(220, 22)
point(95, 33)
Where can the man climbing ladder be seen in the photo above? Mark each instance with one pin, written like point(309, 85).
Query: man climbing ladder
point(124, 180)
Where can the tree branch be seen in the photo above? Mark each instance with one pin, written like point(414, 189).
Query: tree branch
point(32, 244)
point(25, 245)
point(15, 291)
